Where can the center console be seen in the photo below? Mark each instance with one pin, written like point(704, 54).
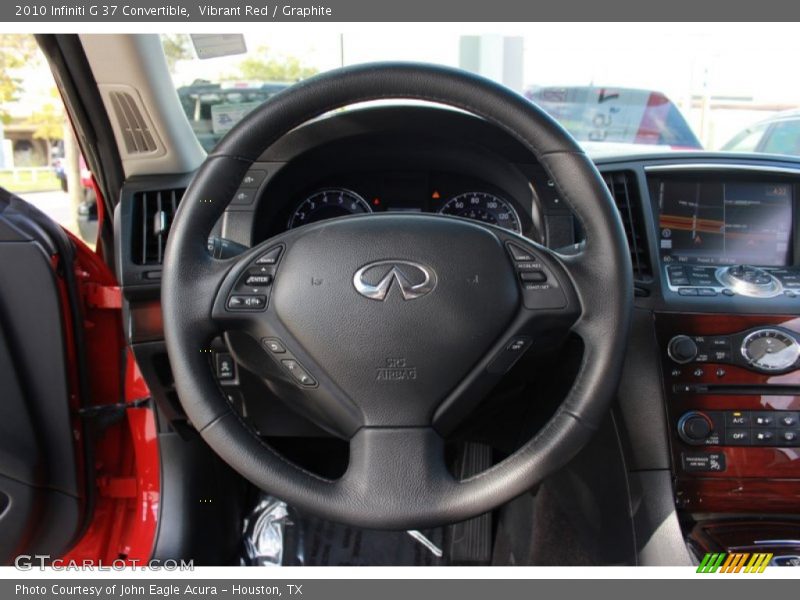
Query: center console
point(731, 373)
point(733, 404)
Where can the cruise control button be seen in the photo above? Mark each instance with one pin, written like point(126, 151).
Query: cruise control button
point(520, 254)
point(247, 302)
point(257, 280)
point(533, 276)
point(273, 345)
point(529, 266)
point(298, 373)
point(270, 257)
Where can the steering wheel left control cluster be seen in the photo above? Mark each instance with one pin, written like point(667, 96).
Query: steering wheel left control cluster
point(252, 289)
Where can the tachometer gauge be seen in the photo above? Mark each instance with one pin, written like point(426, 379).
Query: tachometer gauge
point(327, 204)
point(485, 207)
point(770, 350)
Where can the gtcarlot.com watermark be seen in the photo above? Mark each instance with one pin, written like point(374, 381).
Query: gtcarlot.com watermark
point(30, 562)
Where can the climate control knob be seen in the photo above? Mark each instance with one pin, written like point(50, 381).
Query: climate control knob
point(682, 349)
point(694, 427)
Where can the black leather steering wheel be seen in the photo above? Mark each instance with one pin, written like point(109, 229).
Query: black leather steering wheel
point(387, 329)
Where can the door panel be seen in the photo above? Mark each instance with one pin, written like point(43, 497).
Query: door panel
point(39, 461)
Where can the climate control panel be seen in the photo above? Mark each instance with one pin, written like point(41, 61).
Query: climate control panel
point(740, 428)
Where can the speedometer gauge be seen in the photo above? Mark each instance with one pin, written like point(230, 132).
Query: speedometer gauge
point(485, 207)
point(327, 204)
point(771, 350)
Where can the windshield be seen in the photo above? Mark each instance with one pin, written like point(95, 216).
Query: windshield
point(617, 88)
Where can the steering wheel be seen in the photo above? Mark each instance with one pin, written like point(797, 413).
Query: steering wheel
point(388, 329)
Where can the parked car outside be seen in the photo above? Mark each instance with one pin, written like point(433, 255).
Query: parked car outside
point(779, 134)
point(617, 115)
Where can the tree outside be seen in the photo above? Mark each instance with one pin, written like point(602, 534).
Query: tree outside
point(267, 66)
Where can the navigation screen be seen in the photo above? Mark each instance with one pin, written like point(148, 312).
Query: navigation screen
point(724, 222)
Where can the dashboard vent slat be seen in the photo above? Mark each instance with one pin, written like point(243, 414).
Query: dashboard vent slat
point(153, 212)
point(625, 191)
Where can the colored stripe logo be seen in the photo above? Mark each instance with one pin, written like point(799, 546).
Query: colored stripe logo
point(736, 562)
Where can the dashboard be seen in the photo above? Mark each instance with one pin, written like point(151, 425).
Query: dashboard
point(711, 390)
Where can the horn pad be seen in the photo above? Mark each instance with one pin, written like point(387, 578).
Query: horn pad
point(396, 309)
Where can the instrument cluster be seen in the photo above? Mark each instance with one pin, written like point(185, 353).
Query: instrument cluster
point(407, 192)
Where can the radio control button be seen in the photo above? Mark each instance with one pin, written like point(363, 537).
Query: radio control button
point(682, 349)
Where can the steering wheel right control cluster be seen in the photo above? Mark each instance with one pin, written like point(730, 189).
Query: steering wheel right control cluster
point(540, 287)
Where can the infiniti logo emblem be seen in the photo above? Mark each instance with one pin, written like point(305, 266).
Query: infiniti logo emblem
point(374, 280)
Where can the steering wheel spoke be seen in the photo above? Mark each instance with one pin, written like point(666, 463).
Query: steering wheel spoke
point(547, 311)
point(400, 469)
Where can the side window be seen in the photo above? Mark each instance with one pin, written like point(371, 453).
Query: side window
point(39, 158)
point(783, 138)
point(746, 141)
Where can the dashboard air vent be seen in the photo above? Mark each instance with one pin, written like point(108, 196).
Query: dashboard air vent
point(134, 127)
point(625, 191)
point(152, 215)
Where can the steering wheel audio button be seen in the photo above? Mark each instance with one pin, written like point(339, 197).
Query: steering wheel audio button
point(247, 302)
point(270, 257)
